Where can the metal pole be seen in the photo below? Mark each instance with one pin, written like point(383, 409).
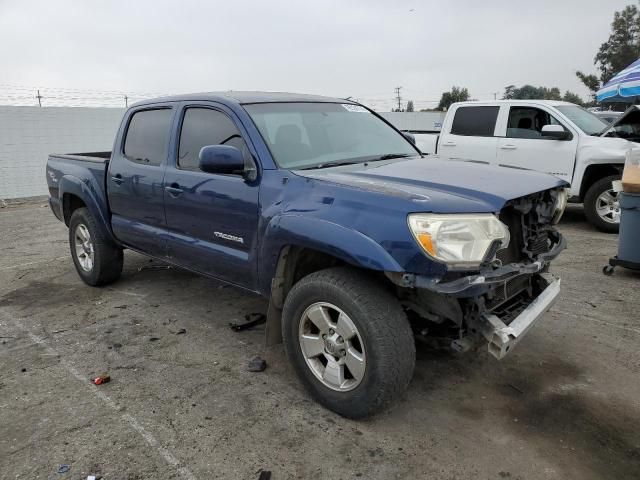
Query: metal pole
point(39, 97)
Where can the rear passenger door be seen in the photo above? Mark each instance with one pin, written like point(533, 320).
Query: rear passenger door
point(135, 179)
point(212, 219)
point(470, 135)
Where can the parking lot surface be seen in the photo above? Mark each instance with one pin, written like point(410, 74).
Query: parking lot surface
point(565, 404)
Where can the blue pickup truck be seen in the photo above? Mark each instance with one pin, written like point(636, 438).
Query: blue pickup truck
point(360, 242)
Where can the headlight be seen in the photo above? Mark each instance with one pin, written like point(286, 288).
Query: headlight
point(459, 240)
point(561, 204)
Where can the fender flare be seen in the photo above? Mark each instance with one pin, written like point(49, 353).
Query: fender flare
point(346, 244)
point(92, 197)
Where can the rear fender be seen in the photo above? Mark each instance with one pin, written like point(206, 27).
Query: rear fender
point(93, 198)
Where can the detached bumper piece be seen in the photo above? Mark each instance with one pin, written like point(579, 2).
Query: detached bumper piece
point(503, 337)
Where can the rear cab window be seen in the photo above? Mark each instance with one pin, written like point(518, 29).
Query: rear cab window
point(147, 138)
point(475, 121)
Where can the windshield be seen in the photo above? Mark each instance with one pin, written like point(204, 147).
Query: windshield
point(584, 119)
point(313, 135)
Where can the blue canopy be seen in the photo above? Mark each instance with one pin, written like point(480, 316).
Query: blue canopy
point(623, 87)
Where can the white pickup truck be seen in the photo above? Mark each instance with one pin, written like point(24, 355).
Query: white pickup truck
point(554, 137)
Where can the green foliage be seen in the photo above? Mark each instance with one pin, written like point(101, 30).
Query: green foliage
point(456, 94)
point(621, 48)
point(409, 106)
point(572, 98)
point(590, 81)
point(623, 45)
point(529, 92)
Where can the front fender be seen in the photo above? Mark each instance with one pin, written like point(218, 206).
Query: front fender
point(92, 196)
point(348, 245)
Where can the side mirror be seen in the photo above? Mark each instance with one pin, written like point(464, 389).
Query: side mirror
point(554, 132)
point(220, 159)
point(410, 136)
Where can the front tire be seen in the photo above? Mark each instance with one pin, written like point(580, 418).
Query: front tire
point(97, 260)
point(349, 341)
point(601, 205)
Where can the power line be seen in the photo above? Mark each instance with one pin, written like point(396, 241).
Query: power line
point(398, 97)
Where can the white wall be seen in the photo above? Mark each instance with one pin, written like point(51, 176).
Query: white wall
point(29, 134)
point(415, 121)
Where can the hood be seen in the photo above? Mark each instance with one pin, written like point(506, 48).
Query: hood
point(627, 127)
point(440, 185)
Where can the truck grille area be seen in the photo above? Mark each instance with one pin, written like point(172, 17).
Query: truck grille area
point(529, 222)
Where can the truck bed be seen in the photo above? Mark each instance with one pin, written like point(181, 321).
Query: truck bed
point(84, 169)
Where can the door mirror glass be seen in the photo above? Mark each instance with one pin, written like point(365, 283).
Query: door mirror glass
point(410, 136)
point(554, 132)
point(221, 159)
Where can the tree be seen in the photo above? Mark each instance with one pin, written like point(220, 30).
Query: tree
point(409, 106)
point(529, 92)
point(590, 81)
point(456, 94)
point(621, 49)
point(623, 45)
point(572, 98)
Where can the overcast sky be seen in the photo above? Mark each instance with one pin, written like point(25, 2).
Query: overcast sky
point(361, 48)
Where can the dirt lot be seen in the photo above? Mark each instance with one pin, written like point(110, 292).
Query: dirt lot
point(565, 404)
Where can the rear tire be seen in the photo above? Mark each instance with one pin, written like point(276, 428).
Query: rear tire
point(374, 346)
point(97, 260)
point(596, 205)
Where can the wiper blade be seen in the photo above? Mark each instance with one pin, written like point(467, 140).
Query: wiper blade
point(329, 164)
point(389, 156)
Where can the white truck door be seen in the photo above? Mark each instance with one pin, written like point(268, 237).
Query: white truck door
point(522, 144)
point(469, 133)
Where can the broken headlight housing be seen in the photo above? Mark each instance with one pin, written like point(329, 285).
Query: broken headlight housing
point(459, 240)
point(561, 203)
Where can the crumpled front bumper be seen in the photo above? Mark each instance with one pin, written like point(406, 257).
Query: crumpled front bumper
point(501, 337)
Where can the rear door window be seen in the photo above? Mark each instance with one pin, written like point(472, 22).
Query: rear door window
point(202, 127)
point(474, 121)
point(147, 137)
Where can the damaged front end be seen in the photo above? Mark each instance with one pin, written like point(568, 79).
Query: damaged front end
point(500, 301)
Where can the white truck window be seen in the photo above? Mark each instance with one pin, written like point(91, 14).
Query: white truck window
point(527, 122)
point(475, 121)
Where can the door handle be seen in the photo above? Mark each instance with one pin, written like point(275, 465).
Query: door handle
point(117, 179)
point(449, 144)
point(174, 190)
point(509, 146)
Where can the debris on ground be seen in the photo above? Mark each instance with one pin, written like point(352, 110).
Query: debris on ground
point(100, 379)
point(181, 331)
point(154, 339)
point(251, 320)
point(64, 468)
point(257, 365)
point(23, 370)
point(265, 475)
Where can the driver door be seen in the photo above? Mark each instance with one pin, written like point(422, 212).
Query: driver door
point(523, 146)
point(212, 219)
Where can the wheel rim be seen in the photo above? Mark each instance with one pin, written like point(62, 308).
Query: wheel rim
point(84, 247)
point(608, 206)
point(332, 347)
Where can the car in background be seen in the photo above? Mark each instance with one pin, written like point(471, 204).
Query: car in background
point(553, 137)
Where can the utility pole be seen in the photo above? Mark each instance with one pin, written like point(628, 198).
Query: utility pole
point(126, 101)
point(39, 97)
point(495, 95)
point(398, 97)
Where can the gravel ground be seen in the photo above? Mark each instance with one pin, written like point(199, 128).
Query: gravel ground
point(565, 404)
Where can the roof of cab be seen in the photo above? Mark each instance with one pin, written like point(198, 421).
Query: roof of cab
point(244, 98)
